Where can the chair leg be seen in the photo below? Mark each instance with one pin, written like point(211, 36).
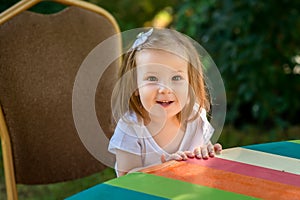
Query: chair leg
point(10, 181)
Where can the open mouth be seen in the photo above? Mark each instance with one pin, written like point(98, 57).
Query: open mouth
point(164, 103)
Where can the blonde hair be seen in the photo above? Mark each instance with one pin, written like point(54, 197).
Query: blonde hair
point(124, 97)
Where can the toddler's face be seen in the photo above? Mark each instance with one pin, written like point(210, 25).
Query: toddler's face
point(163, 83)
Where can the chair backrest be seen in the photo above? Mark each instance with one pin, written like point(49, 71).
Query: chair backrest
point(39, 58)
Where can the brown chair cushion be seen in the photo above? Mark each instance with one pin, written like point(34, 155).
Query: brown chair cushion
point(39, 58)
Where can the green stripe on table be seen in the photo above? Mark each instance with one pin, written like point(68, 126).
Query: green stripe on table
point(288, 149)
point(109, 192)
point(171, 188)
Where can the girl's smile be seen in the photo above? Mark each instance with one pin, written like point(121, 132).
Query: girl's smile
point(164, 103)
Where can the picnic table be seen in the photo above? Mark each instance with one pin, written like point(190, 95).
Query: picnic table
point(260, 171)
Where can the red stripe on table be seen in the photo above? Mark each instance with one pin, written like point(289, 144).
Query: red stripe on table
point(228, 181)
point(249, 170)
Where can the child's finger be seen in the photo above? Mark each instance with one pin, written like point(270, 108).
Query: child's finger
point(204, 152)
point(197, 153)
point(218, 148)
point(210, 149)
point(182, 155)
point(163, 158)
point(175, 156)
point(189, 154)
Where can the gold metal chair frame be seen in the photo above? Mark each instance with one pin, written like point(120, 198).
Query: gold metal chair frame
point(21, 6)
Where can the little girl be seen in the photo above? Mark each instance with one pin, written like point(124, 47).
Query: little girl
point(160, 103)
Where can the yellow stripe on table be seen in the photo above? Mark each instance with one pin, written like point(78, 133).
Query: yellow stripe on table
point(262, 159)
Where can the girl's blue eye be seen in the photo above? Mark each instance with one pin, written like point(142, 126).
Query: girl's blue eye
point(152, 78)
point(177, 78)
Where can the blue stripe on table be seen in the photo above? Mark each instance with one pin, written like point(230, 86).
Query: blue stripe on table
point(109, 192)
point(288, 149)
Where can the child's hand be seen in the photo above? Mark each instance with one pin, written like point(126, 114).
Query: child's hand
point(204, 152)
point(207, 151)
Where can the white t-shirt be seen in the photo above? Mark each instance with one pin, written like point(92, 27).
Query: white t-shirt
point(135, 138)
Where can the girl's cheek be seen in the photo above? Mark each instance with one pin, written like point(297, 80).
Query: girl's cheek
point(182, 96)
point(147, 94)
point(181, 89)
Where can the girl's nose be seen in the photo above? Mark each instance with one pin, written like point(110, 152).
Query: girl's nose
point(163, 89)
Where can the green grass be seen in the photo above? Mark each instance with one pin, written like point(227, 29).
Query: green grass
point(230, 137)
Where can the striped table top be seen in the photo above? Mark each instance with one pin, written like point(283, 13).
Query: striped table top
point(263, 171)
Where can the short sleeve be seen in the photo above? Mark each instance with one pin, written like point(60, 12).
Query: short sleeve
point(125, 139)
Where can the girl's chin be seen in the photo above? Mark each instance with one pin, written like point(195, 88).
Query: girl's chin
point(163, 116)
point(160, 112)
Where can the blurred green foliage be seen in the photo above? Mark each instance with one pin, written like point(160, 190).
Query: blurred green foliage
point(133, 13)
point(45, 7)
point(128, 13)
point(254, 44)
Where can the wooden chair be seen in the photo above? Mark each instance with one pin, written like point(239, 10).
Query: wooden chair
point(39, 58)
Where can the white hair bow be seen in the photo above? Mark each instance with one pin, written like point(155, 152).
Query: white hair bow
point(141, 39)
